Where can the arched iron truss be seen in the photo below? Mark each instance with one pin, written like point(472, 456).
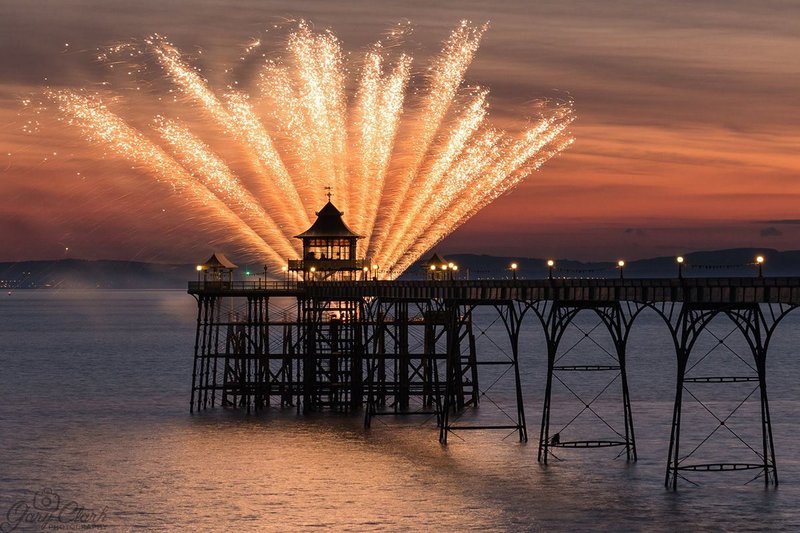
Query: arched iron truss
point(757, 323)
point(555, 318)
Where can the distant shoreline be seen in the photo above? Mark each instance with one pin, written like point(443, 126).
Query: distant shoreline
point(136, 275)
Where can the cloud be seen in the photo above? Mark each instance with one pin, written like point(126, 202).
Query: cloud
point(771, 231)
point(785, 221)
point(639, 232)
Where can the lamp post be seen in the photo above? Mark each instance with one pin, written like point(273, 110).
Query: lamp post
point(312, 270)
point(285, 275)
point(199, 269)
point(551, 265)
point(679, 259)
point(760, 263)
point(453, 271)
point(365, 274)
point(621, 267)
point(514, 271)
point(374, 272)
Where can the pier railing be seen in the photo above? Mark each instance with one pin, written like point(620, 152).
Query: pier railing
point(243, 286)
point(322, 265)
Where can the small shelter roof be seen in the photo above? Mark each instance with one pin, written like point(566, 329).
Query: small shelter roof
point(434, 260)
point(218, 261)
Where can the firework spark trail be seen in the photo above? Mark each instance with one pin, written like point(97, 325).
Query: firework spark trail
point(447, 74)
point(366, 131)
point(524, 157)
point(276, 86)
point(198, 158)
point(377, 108)
point(426, 182)
point(101, 125)
point(482, 153)
point(517, 161)
point(320, 72)
point(404, 190)
point(379, 104)
point(451, 224)
point(286, 198)
point(238, 118)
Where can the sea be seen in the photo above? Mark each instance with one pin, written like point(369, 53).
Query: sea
point(96, 433)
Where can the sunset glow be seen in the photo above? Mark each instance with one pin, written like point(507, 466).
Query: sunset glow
point(685, 139)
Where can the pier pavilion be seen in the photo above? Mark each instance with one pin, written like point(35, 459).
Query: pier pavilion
point(330, 249)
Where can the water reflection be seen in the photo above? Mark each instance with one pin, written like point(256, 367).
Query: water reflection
point(94, 403)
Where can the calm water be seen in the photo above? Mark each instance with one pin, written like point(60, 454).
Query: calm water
point(94, 390)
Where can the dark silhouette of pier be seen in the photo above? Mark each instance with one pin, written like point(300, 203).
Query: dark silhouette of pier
point(409, 347)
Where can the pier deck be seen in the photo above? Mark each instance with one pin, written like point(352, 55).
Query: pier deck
point(698, 290)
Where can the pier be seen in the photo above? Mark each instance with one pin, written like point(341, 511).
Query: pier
point(408, 348)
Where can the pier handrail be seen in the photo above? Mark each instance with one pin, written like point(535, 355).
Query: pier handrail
point(199, 286)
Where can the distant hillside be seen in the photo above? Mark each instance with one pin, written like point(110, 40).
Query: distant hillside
point(720, 263)
point(76, 273)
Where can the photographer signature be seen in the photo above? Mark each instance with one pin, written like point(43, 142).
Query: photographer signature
point(48, 512)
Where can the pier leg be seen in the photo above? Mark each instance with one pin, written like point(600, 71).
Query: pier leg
point(673, 455)
point(556, 317)
point(544, 432)
point(197, 352)
point(453, 356)
point(513, 322)
point(756, 328)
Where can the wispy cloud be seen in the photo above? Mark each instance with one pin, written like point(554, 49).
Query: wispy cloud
point(771, 231)
point(786, 221)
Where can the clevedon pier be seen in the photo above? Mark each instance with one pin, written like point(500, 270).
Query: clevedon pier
point(331, 336)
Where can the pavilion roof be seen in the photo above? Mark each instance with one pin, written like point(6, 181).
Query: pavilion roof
point(329, 223)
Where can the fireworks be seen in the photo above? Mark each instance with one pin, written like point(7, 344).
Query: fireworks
point(406, 167)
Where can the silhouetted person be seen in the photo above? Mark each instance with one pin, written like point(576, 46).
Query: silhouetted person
point(555, 440)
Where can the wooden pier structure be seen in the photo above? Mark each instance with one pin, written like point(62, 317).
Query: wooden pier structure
point(412, 348)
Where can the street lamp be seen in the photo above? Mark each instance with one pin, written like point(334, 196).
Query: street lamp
point(760, 263)
point(551, 265)
point(621, 267)
point(365, 270)
point(680, 266)
point(453, 271)
point(312, 270)
point(514, 271)
point(375, 272)
point(285, 274)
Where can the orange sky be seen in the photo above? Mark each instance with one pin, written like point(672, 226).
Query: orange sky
point(687, 131)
